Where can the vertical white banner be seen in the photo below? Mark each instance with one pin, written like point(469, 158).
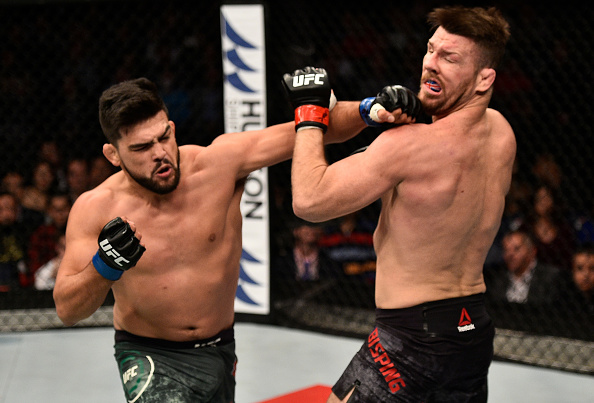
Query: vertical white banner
point(244, 68)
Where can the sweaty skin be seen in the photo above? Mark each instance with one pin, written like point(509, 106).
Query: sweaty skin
point(442, 185)
point(183, 287)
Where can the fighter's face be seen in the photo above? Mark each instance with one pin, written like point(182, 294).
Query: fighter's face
point(583, 271)
point(518, 253)
point(8, 210)
point(149, 154)
point(449, 72)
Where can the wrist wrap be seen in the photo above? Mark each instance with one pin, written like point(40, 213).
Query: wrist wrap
point(312, 116)
point(105, 270)
point(365, 109)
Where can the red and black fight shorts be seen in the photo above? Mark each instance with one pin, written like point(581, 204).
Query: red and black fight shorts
point(438, 351)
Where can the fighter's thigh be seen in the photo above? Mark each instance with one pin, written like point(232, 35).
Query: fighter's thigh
point(144, 382)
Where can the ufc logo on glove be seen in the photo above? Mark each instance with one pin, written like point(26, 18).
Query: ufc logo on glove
point(110, 251)
point(305, 79)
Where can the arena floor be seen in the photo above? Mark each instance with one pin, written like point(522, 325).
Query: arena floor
point(276, 364)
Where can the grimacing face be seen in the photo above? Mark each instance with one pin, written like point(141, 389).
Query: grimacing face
point(449, 72)
point(148, 152)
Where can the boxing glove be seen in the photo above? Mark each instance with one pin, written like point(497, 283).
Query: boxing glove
point(119, 249)
point(389, 98)
point(309, 92)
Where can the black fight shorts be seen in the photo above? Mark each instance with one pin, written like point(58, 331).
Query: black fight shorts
point(438, 351)
point(157, 371)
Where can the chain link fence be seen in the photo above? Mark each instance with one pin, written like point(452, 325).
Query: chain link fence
point(57, 57)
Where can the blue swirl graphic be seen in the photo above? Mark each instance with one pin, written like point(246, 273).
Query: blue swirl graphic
point(234, 58)
point(235, 38)
point(245, 278)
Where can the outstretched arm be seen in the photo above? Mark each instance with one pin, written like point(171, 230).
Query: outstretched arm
point(256, 149)
point(322, 192)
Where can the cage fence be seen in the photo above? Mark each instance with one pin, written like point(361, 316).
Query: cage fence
point(57, 57)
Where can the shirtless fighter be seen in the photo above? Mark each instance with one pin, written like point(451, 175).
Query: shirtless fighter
point(442, 187)
point(164, 234)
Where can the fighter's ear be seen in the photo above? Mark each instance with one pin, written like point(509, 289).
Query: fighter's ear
point(111, 153)
point(172, 125)
point(485, 79)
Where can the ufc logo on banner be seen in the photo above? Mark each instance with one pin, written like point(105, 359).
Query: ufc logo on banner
point(110, 251)
point(305, 79)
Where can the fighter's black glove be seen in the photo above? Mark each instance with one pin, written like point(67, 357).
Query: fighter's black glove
point(309, 93)
point(390, 98)
point(119, 249)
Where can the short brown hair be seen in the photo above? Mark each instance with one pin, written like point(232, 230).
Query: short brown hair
point(485, 26)
point(126, 104)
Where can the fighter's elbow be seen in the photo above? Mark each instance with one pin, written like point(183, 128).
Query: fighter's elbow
point(66, 315)
point(305, 209)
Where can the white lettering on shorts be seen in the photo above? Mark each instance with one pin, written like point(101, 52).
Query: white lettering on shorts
point(132, 373)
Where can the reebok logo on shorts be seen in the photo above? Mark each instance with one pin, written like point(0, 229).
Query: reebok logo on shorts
point(465, 323)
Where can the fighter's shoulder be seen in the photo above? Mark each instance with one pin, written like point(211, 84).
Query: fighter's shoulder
point(402, 133)
point(224, 149)
point(92, 208)
point(190, 151)
point(501, 129)
point(400, 141)
point(497, 118)
point(197, 156)
point(98, 196)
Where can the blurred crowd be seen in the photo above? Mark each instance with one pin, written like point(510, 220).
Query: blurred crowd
point(541, 265)
point(34, 210)
point(56, 58)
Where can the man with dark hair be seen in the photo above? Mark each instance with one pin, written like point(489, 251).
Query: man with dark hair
point(523, 279)
point(442, 187)
point(174, 281)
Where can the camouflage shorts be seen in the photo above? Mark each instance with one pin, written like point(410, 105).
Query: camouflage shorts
point(152, 374)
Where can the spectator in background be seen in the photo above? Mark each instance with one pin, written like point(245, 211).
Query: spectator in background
point(554, 234)
point(306, 252)
point(13, 270)
point(575, 308)
point(51, 153)
point(582, 274)
point(523, 278)
point(100, 170)
point(546, 170)
point(36, 196)
point(37, 191)
point(43, 241)
point(349, 242)
point(77, 177)
point(13, 182)
point(45, 277)
point(304, 264)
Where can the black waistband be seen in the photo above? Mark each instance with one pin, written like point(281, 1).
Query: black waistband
point(444, 316)
point(224, 337)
